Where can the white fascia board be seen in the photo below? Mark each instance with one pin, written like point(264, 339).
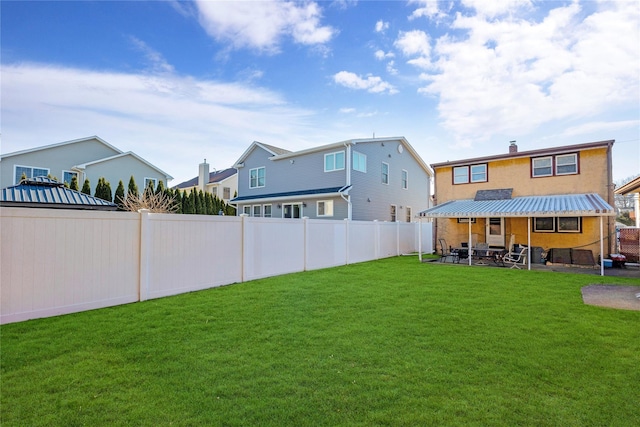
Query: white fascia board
point(59, 144)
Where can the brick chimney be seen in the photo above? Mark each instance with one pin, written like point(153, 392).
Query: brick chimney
point(203, 176)
point(513, 148)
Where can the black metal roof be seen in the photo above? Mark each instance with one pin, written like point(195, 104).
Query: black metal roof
point(42, 192)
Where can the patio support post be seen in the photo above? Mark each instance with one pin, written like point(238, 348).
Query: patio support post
point(469, 245)
point(601, 248)
point(420, 239)
point(529, 243)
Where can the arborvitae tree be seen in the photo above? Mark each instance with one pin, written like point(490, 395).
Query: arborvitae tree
point(202, 205)
point(229, 210)
point(208, 201)
point(149, 188)
point(101, 192)
point(119, 196)
point(86, 187)
point(177, 196)
point(108, 194)
point(23, 176)
point(133, 188)
point(73, 185)
point(160, 188)
point(189, 203)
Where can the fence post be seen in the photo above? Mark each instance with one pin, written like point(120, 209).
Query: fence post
point(143, 283)
point(306, 241)
point(346, 241)
point(243, 244)
point(397, 238)
point(376, 236)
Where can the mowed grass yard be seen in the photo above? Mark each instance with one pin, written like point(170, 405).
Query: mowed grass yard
point(390, 342)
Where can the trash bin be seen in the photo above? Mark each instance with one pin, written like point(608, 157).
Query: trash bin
point(536, 255)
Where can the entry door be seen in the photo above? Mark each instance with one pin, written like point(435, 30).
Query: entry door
point(495, 231)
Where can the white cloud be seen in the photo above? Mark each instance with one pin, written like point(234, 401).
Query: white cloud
point(381, 26)
point(347, 110)
point(371, 84)
point(594, 127)
point(391, 68)
point(416, 44)
point(156, 60)
point(512, 75)
point(262, 25)
point(428, 9)
point(382, 55)
point(492, 9)
point(172, 121)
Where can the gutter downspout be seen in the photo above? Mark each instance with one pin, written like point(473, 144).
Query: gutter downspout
point(348, 179)
point(610, 198)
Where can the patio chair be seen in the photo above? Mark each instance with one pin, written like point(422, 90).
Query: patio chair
point(446, 252)
point(516, 259)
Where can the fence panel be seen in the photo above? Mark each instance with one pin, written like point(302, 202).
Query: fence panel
point(272, 246)
point(326, 244)
point(191, 252)
point(59, 261)
point(363, 241)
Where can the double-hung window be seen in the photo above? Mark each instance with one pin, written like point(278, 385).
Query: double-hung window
point(393, 211)
point(226, 193)
point(67, 176)
point(567, 164)
point(256, 177)
point(29, 172)
point(359, 162)
point(334, 161)
point(152, 181)
point(405, 179)
point(385, 173)
point(267, 211)
point(569, 224)
point(257, 210)
point(542, 166)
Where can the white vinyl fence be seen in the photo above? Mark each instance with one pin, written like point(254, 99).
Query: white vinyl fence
point(63, 261)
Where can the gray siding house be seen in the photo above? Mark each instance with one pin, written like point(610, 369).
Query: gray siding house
point(90, 158)
point(380, 179)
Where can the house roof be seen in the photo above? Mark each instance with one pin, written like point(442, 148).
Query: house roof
point(44, 192)
point(632, 186)
point(517, 154)
point(282, 154)
point(215, 176)
point(293, 194)
point(59, 144)
point(128, 153)
point(530, 206)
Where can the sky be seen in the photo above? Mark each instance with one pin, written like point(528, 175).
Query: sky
point(179, 82)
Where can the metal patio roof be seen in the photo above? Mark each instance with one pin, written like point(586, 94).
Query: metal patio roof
point(274, 196)
point(42, 192)
point(530, 206)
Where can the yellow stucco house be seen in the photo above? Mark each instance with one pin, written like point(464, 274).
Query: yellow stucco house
point(549, 198)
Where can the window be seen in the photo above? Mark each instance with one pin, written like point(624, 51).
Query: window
point(325, 208)
point(267, 211)
point(385, 173)
point(393, 213)
point(226, 193)
point(467, 174)
point(405, 179)
point(562, 164)
point(257, 210)
point(479, 173)
point(569, 224)
point(544, 225)
point(334, 161)
point(214, 191)
point(567, 164)
point(256, 177)
point(542, 166)
point(29, 172)
point(359, 162)
point(67, 176)
point(246, 210)
point(461, 175)
point(409, 214)
point(150, 180)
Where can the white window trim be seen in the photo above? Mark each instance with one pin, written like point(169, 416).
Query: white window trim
point(258, 177)
point(77, 175)
point(533, 166)
point(328, 208)
point(403, 181)
point(394, 213)
point(357, 155)
point(245, 208)
point(486, 177)
point(382, 174)
point(535, 224)
point(253, 210)
point(466, 176)
point(555, 165)
point(146, 182)
point(579, 230)
point(264, 210)
point(409, 213)
point(15, 169)
point(334, 161)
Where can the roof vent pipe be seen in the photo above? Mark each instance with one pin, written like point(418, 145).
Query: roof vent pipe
point(513, 148)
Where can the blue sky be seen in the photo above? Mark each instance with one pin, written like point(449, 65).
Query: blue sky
point(177, 82)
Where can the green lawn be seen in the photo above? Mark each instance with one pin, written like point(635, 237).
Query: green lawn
point(391, 342)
